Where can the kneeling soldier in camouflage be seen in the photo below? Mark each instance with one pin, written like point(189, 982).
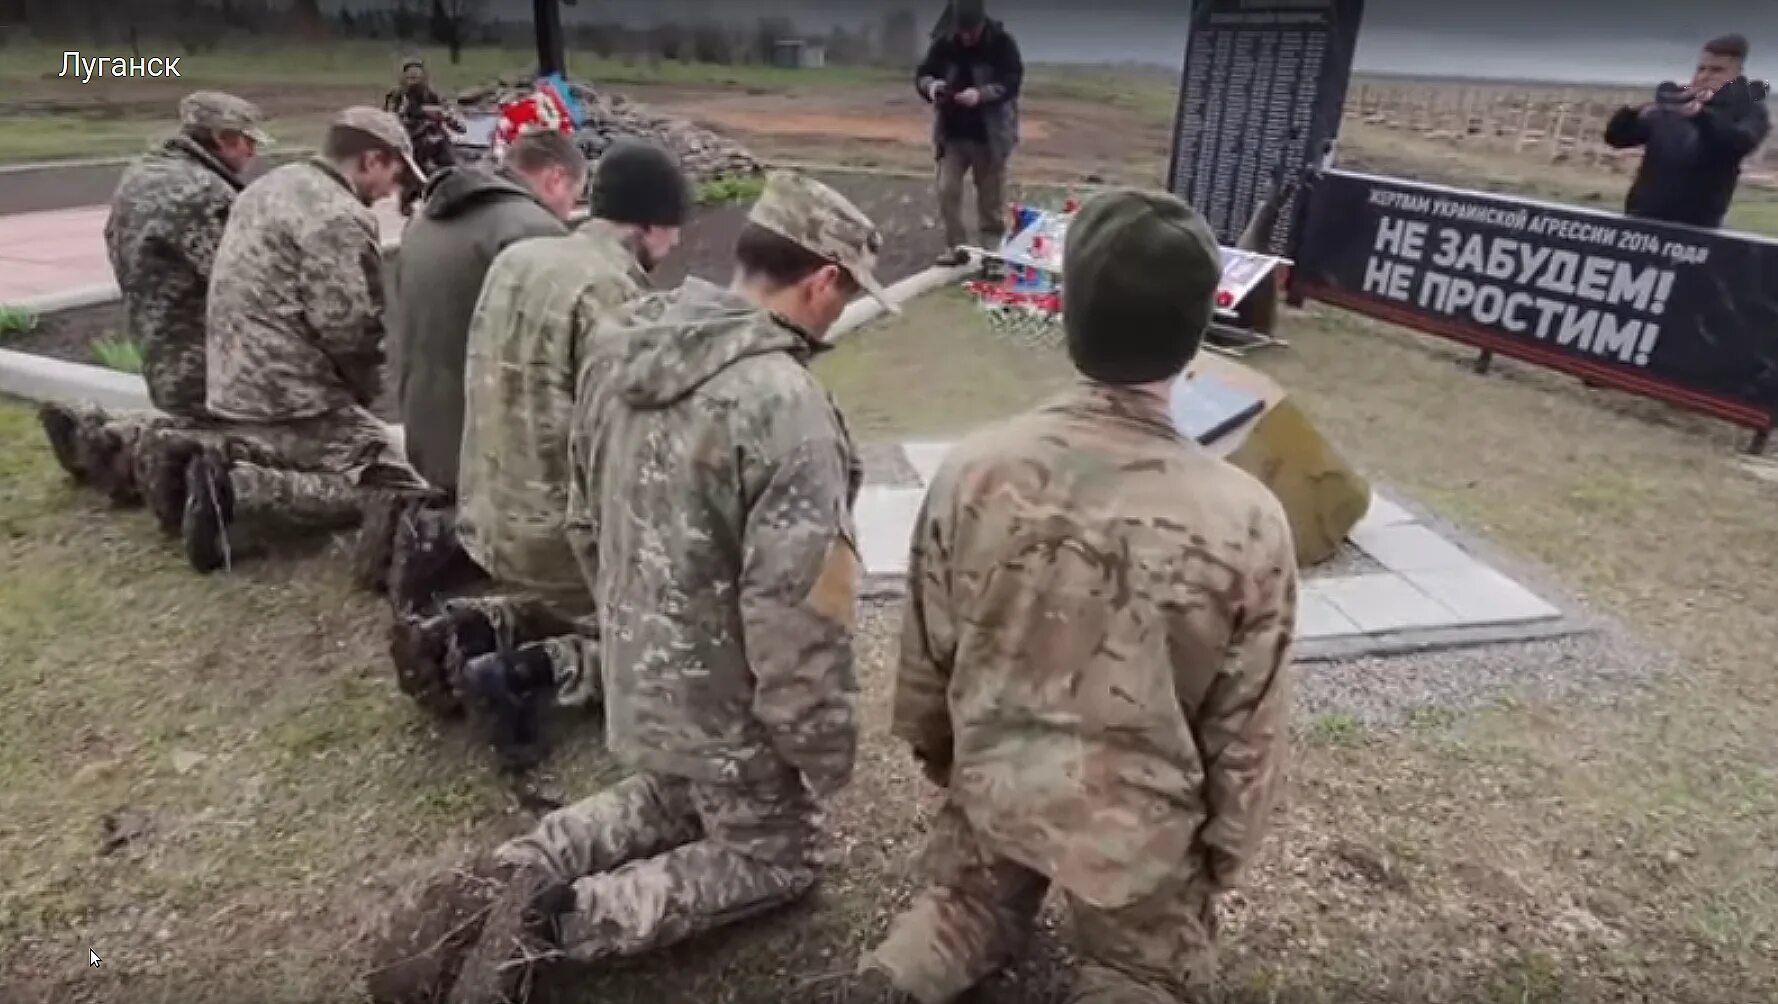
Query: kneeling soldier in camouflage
point(166, 220)
point(295, 347)
point(539, 327)
point(1095, 651)
point(713, 481)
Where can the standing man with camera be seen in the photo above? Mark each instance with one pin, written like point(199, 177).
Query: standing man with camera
point(971, 76)
point(1695, 138)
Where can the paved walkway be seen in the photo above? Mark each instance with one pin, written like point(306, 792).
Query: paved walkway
point(1428, 591)
point(57, 252)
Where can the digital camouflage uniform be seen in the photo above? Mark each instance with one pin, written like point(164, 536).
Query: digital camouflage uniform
point(166, 220)
point(296, 347)
point(1095, 657)
point(533, 335)
point(720, 547)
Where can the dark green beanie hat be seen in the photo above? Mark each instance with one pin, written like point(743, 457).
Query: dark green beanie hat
point(1139, 286)
point(639, 183)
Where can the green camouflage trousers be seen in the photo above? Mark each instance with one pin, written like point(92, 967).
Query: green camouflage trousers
point(655, 859)
point(561, 625)
point(980, 907)
point(110, 447)
point(313, 473)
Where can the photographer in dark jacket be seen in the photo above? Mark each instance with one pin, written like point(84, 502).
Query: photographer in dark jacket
point(971, 77)
point(1695, 139)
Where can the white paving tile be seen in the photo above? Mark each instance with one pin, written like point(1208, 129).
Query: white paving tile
point(1481, 595)
point(1409, 547)
point(1383, 512)
point(925, 458)
point(1384, 602)
point(1316, 617)
point(884, 518)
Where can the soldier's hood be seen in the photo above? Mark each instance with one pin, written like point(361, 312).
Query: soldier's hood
point(701, 330)
point(456, 190)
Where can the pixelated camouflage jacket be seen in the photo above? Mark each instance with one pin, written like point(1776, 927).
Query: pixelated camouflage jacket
point(543, 303)
point(166, 220)
point(711, 509)
point(1096, 641)
point(296, 300)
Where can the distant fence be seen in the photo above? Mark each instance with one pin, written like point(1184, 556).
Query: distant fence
point(1557, 124)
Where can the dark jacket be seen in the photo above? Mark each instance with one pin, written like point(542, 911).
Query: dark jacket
point(471, 215)
point(1692, 165)
point(994, 67)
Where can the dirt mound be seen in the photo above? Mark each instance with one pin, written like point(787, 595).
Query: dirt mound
point(705, 155)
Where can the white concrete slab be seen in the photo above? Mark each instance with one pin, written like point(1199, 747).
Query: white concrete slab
point(1383, 602)
point(1317, 617)
point(884, 518)
point(1410, 547)
point(1383, 512)
point(926, 458)
point(1481, 595)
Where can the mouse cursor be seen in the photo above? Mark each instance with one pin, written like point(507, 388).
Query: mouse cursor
point(95, 955)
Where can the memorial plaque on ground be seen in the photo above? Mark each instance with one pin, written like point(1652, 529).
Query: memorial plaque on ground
point(1677, 313)
point(1261, 95)
point(1207, 409)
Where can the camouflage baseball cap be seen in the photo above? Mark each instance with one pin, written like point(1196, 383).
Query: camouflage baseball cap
point(219, 112)
point(386, 127)
point(799, 208)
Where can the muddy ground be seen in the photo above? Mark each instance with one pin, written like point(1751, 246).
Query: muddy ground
point(901, 207)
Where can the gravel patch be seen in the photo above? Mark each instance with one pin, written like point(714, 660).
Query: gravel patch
point(1390, 691)
point(1350, 559)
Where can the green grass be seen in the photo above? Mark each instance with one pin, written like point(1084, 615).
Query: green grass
point(121, 354)
point(734, 189)
point(961, 371)
point(16, 321)
point(34, 139)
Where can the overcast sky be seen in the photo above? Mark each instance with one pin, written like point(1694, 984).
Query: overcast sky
point(1618, 41)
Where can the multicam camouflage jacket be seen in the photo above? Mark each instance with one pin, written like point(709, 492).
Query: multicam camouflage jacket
point(166, 221)
point(1096, 646)
point(542, 305)
point(711, 508)
point(296, 300)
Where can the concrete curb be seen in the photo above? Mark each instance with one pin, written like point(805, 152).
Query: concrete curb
point(40, 378)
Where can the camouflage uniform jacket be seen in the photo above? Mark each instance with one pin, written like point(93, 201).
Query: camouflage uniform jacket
point(541, 305)
point(166, 220)
point(296, 300)
point(713, 488)
point(1096, 642)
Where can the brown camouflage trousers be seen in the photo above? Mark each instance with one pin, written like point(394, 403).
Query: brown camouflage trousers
point(656, 859)
point(313, 473)
point(979, 909)
point(560, 625)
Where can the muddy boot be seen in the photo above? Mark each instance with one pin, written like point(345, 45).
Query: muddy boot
point(110, 465)
point(517, 956)
point(209, 509)
point(504, 690)
point(420, 647)
point(428, 561)
point(61, 426)
point(163, 479)
point(422, 944)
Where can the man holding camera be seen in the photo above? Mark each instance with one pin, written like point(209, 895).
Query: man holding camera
point(1695, 138)
point(971, 77)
